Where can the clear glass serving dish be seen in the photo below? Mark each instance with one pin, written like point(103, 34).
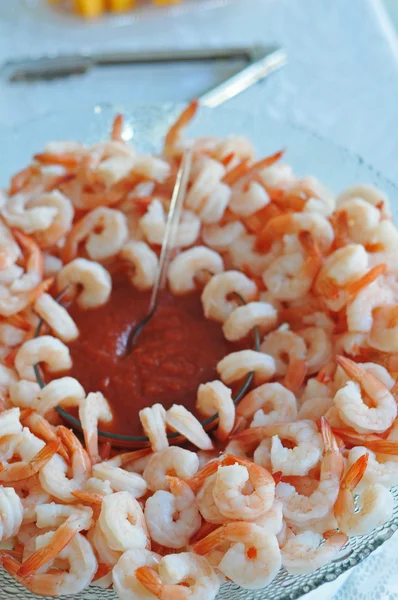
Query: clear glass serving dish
point(308, 154)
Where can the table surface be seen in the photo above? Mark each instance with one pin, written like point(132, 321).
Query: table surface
point(341, 81)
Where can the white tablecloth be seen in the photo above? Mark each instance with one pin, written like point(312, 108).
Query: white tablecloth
point(341, 80)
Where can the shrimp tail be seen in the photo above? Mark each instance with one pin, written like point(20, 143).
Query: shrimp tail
point(88, 497)
point(150, 580)
point(117, 128)
point(211, 541)
point(183, 120)
point(295, 375)
point(367, 279)
point(355, 473)
point(328, 437)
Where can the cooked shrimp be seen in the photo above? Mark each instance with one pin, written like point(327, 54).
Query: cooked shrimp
point(376, 502)
point(206, 504)
point(244, 318)
point(236, 365)
point(183, 421)
point(33, 265)
point(171, 461)
point(92, 277)
point(125, 583)
point(57, 317)
point(188, 264)
point(214, 397)
point(120, 479)
point(122, 522)
point(11, 513)
point(319, 348)
point(82, 568)
point(244, 256)
point(303, 553)
point(70, 521)
point(153, 225)
point(102, 245)
point(215, 296)
point(65, 391)
point(384, 332)
point(153, 421)
point(304, 510)
point(360, 217)
point(173, 517)
point(221, 237)
point(360, 310)
point(230, 498)
point(144, 261)
point(27, 468)
point(268, 403)
point(291, 461)
point(253, 559)
point(183, 576)
point(92, 409)
point(46, 349)
point(291, 276)
point(248, 197)
point(10, 423)
point(285, 347)
point(371, 194)
point(208, 196)
point(315, 224)
point(54, 477)
point(351, 406)
point(61, 221)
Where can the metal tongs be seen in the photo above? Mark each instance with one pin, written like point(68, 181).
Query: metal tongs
point(173, 220)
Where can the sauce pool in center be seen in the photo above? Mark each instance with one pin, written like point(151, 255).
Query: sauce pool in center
point(176, 352)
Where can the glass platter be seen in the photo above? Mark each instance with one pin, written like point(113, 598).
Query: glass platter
point(308, 154)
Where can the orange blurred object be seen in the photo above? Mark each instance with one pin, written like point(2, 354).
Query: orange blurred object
point(95, 8)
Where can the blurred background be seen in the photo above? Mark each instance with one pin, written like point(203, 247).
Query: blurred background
point(340, 81)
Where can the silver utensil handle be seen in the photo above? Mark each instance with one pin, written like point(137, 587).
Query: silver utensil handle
point(244, 79)
point(173, 219)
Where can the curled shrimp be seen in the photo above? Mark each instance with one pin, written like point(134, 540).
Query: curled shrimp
point(183, 421)
point(122, 522)
point(236, 365)
point(266, 396)
point(208, 196)
point(214, 397)
point(304, 510)
point(370, 194)
point(125, 583)
point(360, 310)
point(171, 461)
point(145, 262)
point(10, 423)
point(153, 421)
point(216, 304)
point(351, 406)
point(376, 502)
point(291, 276)
point(27, 468)
point(82, 567)
point(286, 347)
point(153, 225)
point(253, 558)
point(302, 553)
point(315, 224)
point(228, 490)
point(11, 513)
point(175, 571)
point(120, 479)
point(65, 391)
point(221, 237)
point(319, 348)
point(205, 499)
point(173, 517)
point(95, 281)
point(70, 521)
point(57, 478)
point(290, 461)
point(187, 265)
point(244, 318)
point(57, 317)
point(46, 349)
point(102, 245)
point(92, 409)
point(384, 332)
